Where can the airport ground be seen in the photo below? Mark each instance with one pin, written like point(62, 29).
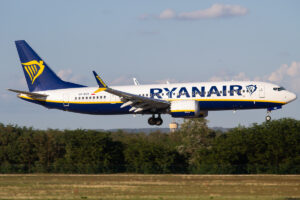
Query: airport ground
point(158, 187)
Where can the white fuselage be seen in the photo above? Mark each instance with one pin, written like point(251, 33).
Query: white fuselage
point(210, 95)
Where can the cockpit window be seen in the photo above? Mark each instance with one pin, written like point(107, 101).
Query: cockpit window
point(281, 88)
point(278, 88)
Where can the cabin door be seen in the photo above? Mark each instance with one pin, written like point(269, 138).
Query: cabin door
point(262, 91)
point(65, 100)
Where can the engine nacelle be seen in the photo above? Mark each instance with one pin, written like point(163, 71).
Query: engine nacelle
point(187, 109)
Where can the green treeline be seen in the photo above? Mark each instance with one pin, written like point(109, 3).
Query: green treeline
point(272, 147)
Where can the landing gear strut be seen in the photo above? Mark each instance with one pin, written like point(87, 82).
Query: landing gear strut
point(155, 120)
point(268, 117)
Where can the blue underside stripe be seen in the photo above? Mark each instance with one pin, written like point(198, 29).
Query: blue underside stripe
point(183, 114)
point(108, 109)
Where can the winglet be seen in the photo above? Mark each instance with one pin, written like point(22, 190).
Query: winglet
point(102, 85)
point(99, 81)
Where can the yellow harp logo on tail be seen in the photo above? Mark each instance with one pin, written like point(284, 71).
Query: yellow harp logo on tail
point(34, 69)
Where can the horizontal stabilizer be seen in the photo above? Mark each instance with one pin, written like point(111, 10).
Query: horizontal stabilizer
point(30, 94)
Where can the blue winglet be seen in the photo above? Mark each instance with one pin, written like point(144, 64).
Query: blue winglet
point(99, 81)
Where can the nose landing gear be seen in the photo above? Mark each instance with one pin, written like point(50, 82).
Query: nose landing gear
point(155, 120)
point(268, 117)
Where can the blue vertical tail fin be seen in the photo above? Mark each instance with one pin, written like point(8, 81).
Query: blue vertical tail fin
point(38, 75)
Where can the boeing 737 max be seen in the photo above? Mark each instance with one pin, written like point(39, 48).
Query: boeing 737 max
point(187, 100)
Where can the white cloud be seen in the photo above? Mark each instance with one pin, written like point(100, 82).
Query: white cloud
point(294, 69)
point(167, 14)
point(285, 72)
point(67, 75)
point(241, 76)
point(215, 11)
point(278, 75)
point(286, 75)
point(122, 80)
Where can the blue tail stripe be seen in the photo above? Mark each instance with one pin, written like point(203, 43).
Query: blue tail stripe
point(38, 75)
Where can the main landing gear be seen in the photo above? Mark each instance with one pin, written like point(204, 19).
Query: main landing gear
point(155, 120)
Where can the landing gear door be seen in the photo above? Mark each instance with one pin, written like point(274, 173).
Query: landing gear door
point(262, 91)
point(65, 100)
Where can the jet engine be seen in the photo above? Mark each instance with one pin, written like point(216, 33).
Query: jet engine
point(187, 109)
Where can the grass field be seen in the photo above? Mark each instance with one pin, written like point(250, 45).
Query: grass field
point(132, 186)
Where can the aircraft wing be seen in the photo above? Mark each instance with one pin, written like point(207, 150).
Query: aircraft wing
point(137, 103)
point(30, 94)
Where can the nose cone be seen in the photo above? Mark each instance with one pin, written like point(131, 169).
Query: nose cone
point(291, 97)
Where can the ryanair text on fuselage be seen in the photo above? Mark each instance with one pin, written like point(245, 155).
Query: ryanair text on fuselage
point(225, 90)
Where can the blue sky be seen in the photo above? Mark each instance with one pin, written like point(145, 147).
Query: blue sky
point(154, 41)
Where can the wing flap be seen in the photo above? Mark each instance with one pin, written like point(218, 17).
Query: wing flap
point(139, 101)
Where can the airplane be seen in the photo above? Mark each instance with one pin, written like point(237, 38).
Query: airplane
point(180, 100)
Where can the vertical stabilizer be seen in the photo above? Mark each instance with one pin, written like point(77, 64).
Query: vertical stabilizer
point(37, 73)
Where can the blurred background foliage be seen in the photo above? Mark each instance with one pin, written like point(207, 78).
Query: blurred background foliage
point(272, 148)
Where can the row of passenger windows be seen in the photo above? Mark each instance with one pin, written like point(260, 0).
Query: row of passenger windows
point(90, 97)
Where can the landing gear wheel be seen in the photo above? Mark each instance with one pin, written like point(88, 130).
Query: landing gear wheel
point(159, 121)
point(268, 117)
point(151, 121)
point(155, 120)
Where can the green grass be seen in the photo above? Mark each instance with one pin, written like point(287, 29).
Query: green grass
point(142, 187)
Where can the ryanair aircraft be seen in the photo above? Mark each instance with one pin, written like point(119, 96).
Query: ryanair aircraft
point(186, 100)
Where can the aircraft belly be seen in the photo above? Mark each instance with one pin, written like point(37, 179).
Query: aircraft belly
point(115, 108)
point(235, 105)
point(96, 109)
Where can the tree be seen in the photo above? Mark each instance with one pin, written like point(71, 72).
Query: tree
point(193, 135)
